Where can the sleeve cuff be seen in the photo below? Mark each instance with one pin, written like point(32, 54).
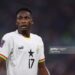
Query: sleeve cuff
point(42, 60)
point(3, 57)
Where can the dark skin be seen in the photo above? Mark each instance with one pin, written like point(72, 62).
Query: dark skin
point(24, 22)
point(2, 64)
point(43, 69)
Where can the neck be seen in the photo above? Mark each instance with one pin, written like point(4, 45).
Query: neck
point(25, 33)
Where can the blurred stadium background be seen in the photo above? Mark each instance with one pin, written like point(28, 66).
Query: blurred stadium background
point(54, 22)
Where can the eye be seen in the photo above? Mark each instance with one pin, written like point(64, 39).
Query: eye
point(27, 17)
point(20, 17)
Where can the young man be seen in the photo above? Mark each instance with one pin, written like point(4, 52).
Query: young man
point(22, 50)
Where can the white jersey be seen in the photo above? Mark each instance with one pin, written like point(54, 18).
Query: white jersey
point(22, 54)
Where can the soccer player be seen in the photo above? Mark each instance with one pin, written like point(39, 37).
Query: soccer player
point(22, 50)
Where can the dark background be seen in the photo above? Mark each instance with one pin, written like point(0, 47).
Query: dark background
point(54, 22)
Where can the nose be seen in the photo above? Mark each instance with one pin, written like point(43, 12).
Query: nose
point(23, 21)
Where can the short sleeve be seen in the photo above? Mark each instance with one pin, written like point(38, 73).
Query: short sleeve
point(5, 47)
point(41, 51)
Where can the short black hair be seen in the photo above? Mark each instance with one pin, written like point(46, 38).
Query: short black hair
point(24, 9)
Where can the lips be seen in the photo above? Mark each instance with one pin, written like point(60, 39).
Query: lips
point(24, 27)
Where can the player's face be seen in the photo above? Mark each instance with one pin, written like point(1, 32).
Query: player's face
point(24, 20)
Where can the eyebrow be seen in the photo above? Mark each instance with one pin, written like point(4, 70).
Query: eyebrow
point(23, 16)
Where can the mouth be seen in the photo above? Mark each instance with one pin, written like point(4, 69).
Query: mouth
point(24, 27)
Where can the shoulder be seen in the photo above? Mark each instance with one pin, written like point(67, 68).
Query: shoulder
point(8, 35)
point(36, 36)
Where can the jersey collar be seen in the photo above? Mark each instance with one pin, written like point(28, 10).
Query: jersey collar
point(25, 37)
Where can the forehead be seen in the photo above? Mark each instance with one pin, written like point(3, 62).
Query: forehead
point(23, 13)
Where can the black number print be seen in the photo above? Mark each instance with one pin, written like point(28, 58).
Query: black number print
point(31, 62)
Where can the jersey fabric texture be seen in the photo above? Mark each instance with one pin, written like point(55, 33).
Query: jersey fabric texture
point(22, 54)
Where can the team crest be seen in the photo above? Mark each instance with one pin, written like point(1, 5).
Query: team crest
point(2, 43)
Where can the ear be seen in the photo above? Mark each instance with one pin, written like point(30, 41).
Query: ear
point(32, 22)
